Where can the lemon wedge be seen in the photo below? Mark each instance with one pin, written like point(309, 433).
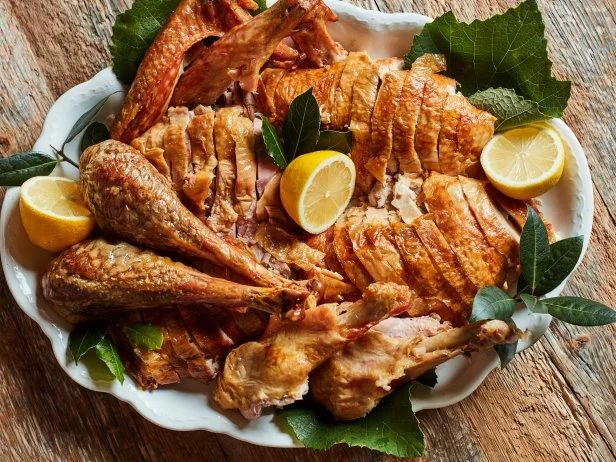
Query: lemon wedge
point(53, 213)
point(524, 162)
point(315, 189)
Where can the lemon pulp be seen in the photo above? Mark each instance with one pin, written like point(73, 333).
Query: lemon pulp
point(53, 213)
point(315, 189)
point(524, 162)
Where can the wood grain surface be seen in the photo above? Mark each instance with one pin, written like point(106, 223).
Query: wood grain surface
point(556, 402)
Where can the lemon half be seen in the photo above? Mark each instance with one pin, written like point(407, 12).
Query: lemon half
point(524, 162)
point(53, 213)
point(315, 189)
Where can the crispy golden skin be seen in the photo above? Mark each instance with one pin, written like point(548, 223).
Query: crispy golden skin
point(382, 123)
point(181, 337)
point(129, 198)
point(149, 368)
point(148, 97)
point(246, 167)
point(343, 247)
point(444, 258)
point(494, 228)
point(292, 84)
point(341, 113)
point(96, 278)
point(362, 104)
point(377, 253)
point(266, 90)
point(437, 88)
point(448, 153)
point(176, 146)
point(354, 380)
point(239, 54)
point(274, 370)
point(405, 120)
point(481, 262)
point(427, 279)
point(475, 129)
point(410, 123)
point(201, 135)
point(287, 248)
point(195, 341)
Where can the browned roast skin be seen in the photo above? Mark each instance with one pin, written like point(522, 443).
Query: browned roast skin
point(178, 338)
point(192, 21)
point(131, 199)
point(240, 54)
point(96, 278)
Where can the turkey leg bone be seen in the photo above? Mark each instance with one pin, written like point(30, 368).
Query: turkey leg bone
point(274, 370)
point(352, 382)
point(95, 279)
point(130, 199)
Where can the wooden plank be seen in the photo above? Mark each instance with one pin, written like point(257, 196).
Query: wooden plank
point(555, 402)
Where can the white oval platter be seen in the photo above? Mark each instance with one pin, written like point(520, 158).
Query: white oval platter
point(569, 206)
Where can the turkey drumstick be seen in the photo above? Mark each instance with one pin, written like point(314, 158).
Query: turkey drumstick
point(273, 371)
point(352, 382)
point(130, 199)
point(96, 278)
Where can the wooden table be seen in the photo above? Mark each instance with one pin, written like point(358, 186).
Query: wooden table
point(556, 402)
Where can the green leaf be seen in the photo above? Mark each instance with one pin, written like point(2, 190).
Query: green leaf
point(509, 109)
point(107, 353)
point(301, 129)
point(535, 255)
point(492, 303)
point(580, 311)
point(16, 169)
point(334, 141)
point(85, 119)
point(134, 31)
point(506, 352)
point(429, 379)
point(94, 134)
point(565, 255)
point(145, 335)
point(84, 337)
point(273, 144)
point(262, 7)
point(391, 427)
point(534, 304)
point(507, 51)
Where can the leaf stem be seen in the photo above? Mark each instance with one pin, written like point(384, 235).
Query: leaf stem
point(62, 156)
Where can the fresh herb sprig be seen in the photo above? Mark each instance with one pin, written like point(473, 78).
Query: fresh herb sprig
point(18, 168)
point(145, 335)
point(544, 267)
point(501, 63)
point(301, 133)
point(93, 336)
